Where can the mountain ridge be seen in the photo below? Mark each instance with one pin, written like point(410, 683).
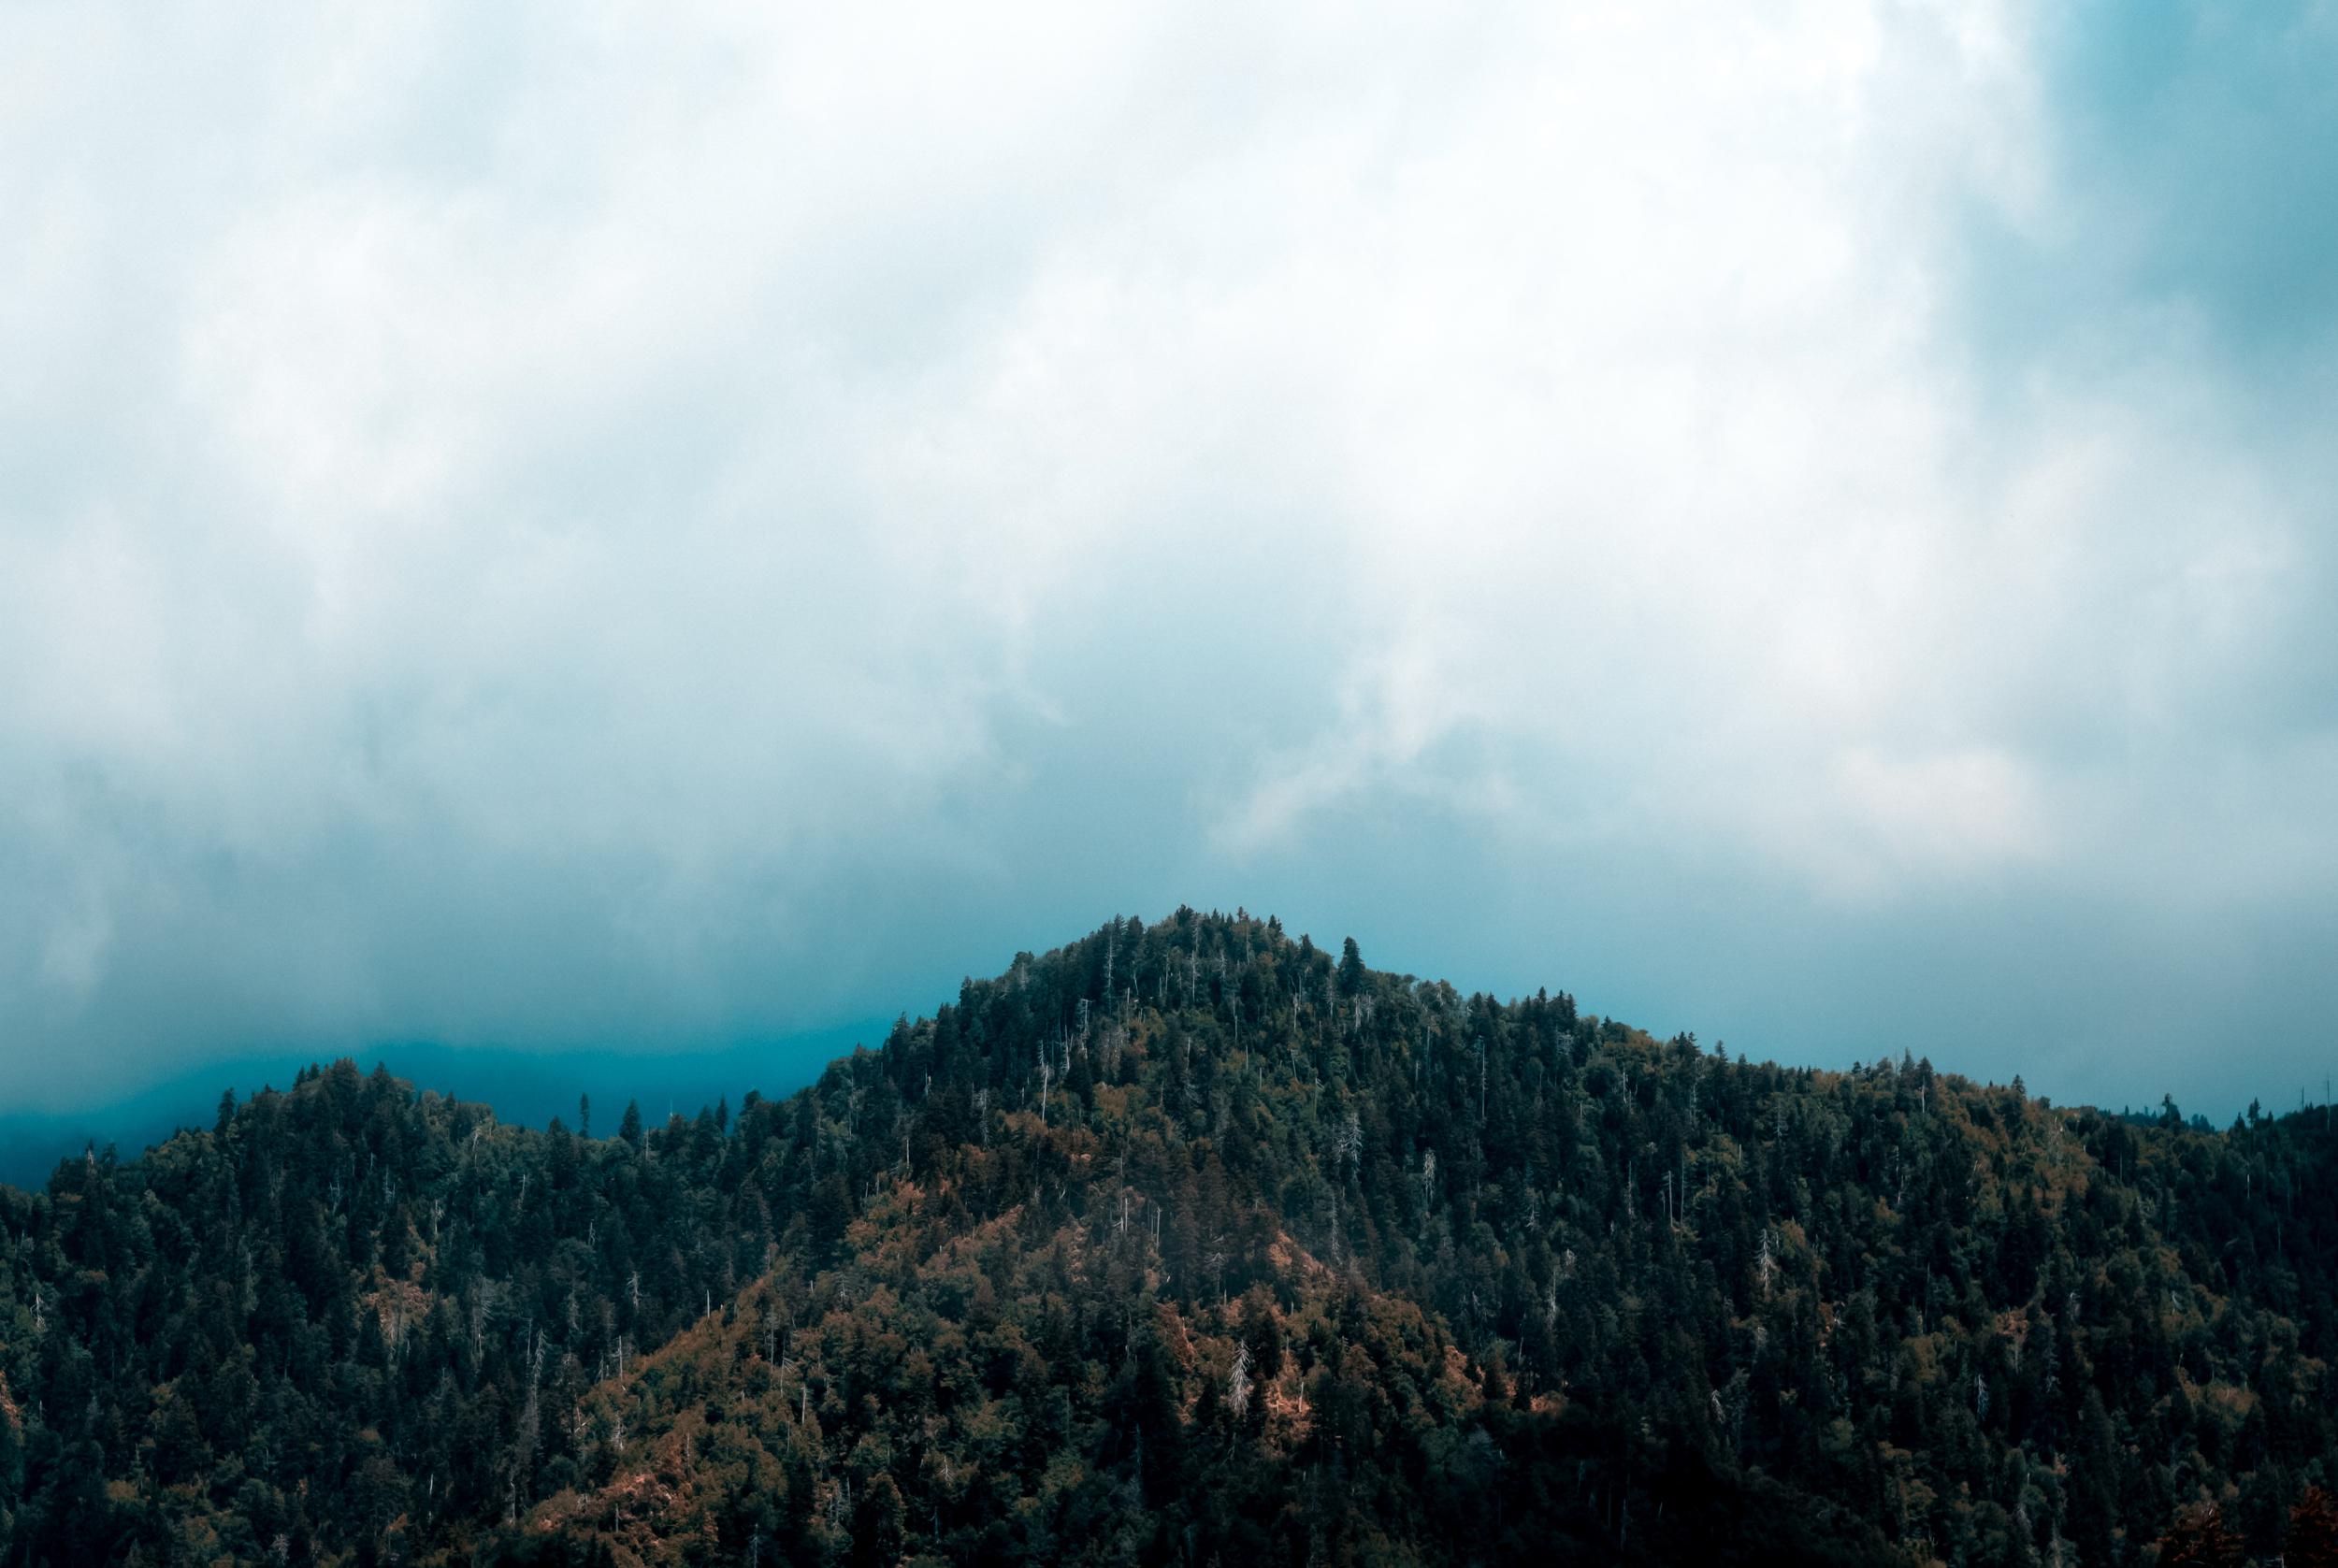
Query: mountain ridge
point(1502, 1279)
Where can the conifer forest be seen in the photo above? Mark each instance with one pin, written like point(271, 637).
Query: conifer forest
point(1188, 1244)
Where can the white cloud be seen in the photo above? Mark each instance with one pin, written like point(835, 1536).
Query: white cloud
point(572, 501)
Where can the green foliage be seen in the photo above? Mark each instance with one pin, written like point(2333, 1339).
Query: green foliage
point(1185, 1244)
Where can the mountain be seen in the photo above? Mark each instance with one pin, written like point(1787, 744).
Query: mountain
point(1187, 1244)
point(526, 1085)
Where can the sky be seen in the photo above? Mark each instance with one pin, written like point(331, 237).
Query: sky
point(671, 533)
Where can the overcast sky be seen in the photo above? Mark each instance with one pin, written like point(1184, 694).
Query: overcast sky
point(564, 525)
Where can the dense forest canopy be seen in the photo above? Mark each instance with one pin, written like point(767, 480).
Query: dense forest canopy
point(1188, 1243)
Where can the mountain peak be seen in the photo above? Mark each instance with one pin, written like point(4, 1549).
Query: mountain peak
point(1188, 1239)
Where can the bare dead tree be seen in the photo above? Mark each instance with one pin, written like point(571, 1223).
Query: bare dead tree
point(1238, 1382)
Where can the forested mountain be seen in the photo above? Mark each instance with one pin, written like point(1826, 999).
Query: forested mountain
point(1187, 1244)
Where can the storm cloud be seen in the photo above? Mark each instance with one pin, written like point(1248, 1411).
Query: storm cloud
point(651, 529)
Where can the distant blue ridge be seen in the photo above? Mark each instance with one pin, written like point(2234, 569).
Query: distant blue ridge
point(522, 1087)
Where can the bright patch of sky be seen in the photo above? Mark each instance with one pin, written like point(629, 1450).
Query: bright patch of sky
point(581, 527)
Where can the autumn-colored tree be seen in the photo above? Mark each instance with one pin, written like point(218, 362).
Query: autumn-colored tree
point(2199, 1539)
point(2312, 1541)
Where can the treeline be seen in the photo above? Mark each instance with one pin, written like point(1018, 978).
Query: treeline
point(1186, 1242)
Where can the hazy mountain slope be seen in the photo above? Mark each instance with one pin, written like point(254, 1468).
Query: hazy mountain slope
point(1508, 1278)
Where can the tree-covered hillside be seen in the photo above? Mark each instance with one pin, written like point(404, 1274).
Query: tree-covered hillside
point(1187, 1244)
